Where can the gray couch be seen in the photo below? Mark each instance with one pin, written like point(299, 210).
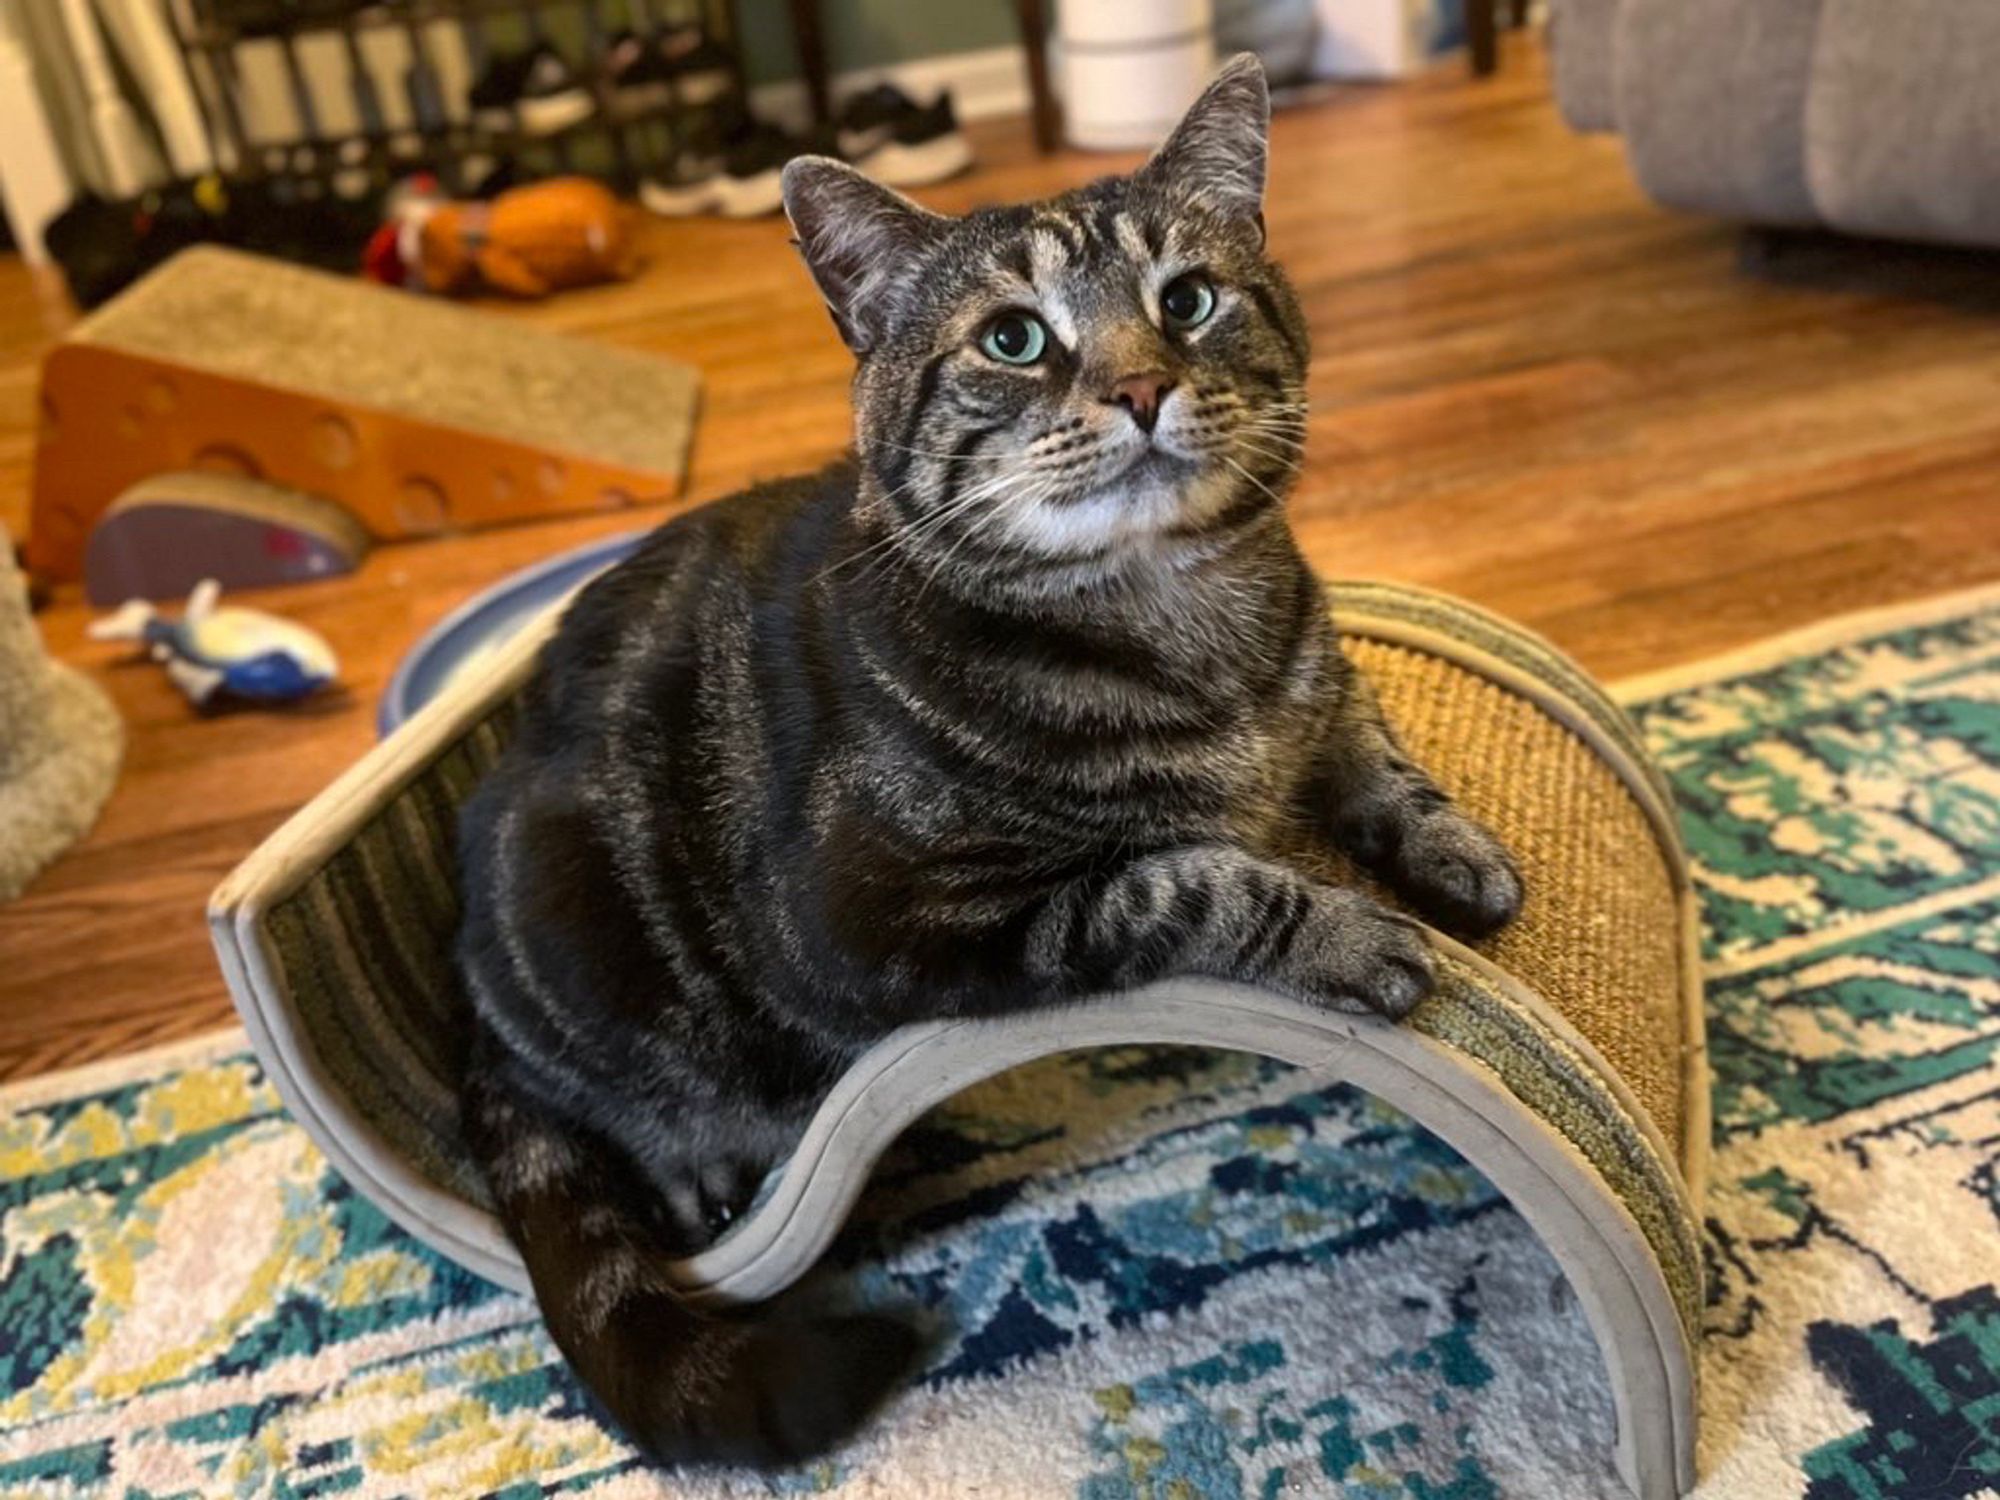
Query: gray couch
point(1876, 117)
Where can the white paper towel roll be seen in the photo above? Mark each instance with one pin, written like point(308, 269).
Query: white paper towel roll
point(1131, 67)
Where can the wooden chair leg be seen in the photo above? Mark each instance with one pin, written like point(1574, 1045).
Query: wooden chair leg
point(1482, 35)
point(812, 57)
point(1035, 40)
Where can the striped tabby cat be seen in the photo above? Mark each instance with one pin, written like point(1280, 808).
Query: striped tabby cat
point(1031, 699)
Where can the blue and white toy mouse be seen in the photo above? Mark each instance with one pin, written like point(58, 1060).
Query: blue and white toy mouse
point(237, 653)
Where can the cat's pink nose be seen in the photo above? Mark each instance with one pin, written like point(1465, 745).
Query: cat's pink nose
point(1141, 395)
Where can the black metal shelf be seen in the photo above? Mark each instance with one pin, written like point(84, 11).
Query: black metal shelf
point(449, 145)
point(211, 31)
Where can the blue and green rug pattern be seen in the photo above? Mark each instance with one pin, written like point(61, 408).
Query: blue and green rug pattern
point(1164, 1274)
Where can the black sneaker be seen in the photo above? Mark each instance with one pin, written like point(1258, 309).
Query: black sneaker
point(750, 182)
point(868, 119)
point(748, 186)
point(701, 70)
point(637, 73)
point(553, 98)
point(924, 145)
point(692, 182)
point(497, 90)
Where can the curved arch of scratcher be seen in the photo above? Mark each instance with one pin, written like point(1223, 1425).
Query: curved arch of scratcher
point(1599, 1246)
point(1603, 1254)
point(1571, 1171)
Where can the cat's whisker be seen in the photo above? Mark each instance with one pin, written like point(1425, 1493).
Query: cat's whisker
point(1280, 499)
point(1281, 440)
point(929, 525)
point(1043, 488)
point(1275, 426)
point(1283, 407)
point(1284, 437)
point(913, 531)
point(936, 567)
point(1288, 459)
point(1067, 431)
point(920, 452)
point(1277, 441)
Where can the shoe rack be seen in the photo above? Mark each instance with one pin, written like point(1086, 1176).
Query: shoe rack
point(356, 122)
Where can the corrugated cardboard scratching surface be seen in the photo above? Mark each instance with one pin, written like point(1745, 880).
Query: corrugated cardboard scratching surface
point(415, 414)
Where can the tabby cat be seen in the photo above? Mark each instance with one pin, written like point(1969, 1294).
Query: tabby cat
point(1027, 701)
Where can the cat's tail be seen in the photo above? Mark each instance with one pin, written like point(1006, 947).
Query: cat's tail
point(687, 1388)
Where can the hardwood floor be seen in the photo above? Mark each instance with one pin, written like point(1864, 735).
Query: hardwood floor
point(1531, 387)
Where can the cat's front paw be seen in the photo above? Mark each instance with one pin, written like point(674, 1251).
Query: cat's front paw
point(1356, 955)
point(1457, 874)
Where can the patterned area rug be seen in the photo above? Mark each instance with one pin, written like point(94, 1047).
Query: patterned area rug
point(1160, 1274)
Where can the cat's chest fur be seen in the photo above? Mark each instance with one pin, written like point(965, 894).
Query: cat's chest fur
point(881, 760)
point(1179, 707)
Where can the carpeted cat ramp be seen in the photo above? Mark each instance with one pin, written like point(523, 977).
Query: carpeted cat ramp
point(415, 415)
point(1565, 1061)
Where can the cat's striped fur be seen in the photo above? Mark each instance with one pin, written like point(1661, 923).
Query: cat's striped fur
point(1033, 698)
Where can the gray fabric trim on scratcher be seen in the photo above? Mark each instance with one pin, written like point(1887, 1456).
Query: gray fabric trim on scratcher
point(365, 944)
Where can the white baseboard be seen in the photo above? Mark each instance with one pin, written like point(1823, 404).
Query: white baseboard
point(992, 81)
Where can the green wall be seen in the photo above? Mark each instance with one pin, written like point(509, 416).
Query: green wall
point(868, 33)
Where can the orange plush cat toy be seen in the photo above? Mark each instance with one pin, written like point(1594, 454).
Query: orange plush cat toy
point(529, 241)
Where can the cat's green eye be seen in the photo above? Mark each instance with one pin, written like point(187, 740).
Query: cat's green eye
point(1015, 338)
point(1187, 301)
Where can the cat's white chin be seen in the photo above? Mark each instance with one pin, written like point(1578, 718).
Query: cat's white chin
point(1157, 494)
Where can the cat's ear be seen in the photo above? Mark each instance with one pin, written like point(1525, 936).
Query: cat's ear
point(860, 240)
point(1216, 155)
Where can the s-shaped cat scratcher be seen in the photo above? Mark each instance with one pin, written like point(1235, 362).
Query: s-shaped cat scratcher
point(1565, 1061)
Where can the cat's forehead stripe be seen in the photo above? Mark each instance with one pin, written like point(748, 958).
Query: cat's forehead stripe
point(1132, 237)
point(1049, 259)
point(1060, 235)
point(1056, 309)
point(1052, 250)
